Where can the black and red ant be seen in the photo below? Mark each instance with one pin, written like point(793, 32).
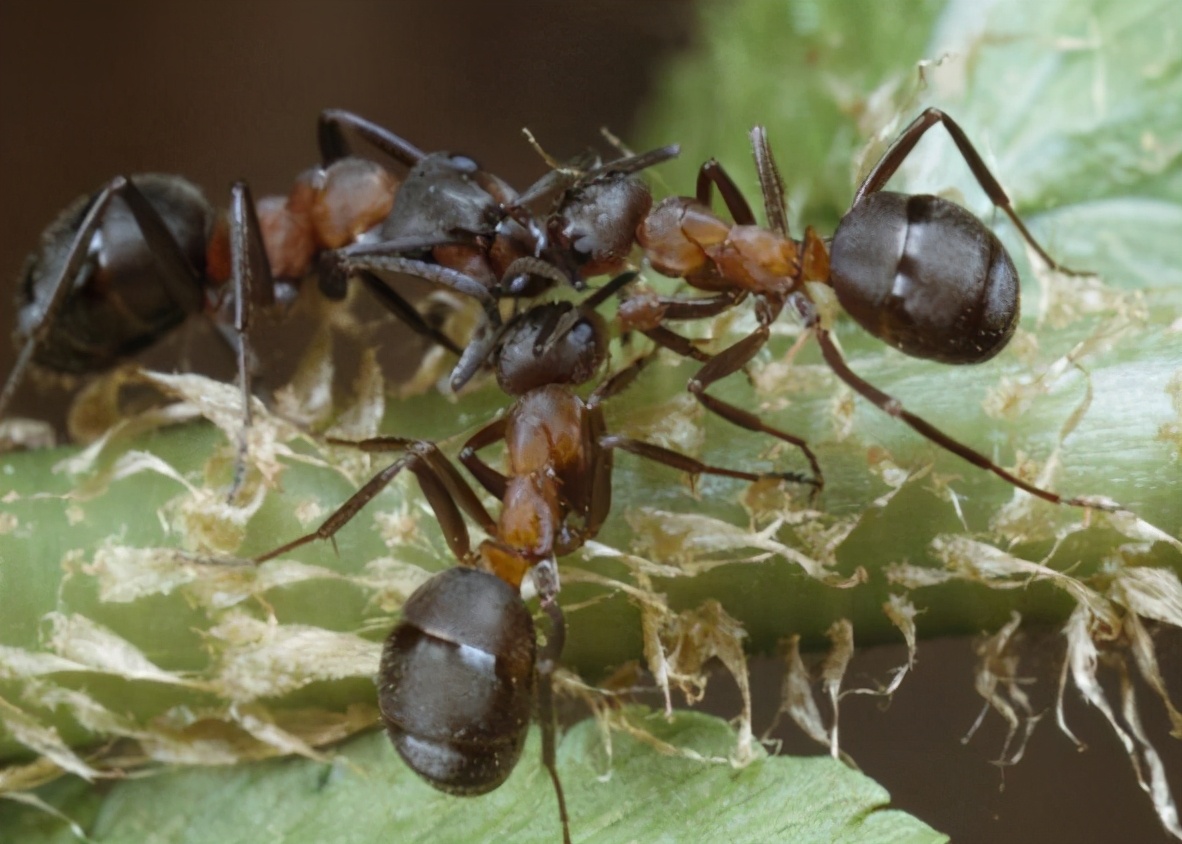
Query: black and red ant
point(457, 674)
point(916, 271)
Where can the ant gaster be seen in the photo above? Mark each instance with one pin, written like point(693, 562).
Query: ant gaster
point(458, 672)
point(919, 272)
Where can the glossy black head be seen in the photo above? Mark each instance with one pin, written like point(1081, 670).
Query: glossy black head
point(551, 343)
point(456, 682)
point(596, 224)
point(926, 276)
point(119, 304)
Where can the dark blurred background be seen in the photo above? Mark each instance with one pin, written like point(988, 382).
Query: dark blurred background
point(224, 90)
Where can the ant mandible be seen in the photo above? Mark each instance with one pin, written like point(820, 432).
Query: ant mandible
point(457, 674)
point(917, 271)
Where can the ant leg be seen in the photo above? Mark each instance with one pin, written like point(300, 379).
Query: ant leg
point(444, 276)
point(478, 352)
point(692, 466)
point(903, 145)
point(486, 475)
point(619, 382)
point(647, 313)
point(330, 128)
point(253, 286)
point(729, 361)
point(523, 268)
point(712, 175)
point(441, 485)
point(602, 294)
point(771, 185)
point(336, 264)
point(599, 501)
point(454, 482)
point(177, 275)
point(892, 407)
point(336, 267)
point(553, 182)
point(405, 312)
point(387, 255)
point(676, 343)
point(548, 661)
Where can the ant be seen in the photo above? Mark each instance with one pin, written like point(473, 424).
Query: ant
point(917, 271)
point(459, 672)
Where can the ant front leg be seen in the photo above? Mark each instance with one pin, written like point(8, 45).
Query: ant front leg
point(177, 275)
point(330, 132)
point(446, 492)
point(903, 146)
point(546, 578)
point(647, 313)
point(405, 312)
point(252, 287)
point(334, 275)
point(390, 256)
point(893, 407)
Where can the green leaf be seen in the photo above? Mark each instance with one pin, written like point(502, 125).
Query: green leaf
point(366, 794)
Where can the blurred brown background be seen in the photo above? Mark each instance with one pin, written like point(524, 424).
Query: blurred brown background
point(224, 90)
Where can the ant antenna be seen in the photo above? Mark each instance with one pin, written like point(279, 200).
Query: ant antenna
point(551, 162)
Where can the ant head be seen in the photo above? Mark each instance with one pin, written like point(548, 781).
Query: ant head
point(551, 343)
point(596, 224)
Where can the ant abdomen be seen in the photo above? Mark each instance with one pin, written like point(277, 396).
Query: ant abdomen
point(456, 682)
point(119, 304)
point(926, 276)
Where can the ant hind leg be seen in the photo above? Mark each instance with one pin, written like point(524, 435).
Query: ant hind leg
point(903, 146)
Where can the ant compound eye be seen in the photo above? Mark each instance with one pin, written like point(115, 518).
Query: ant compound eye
point(464, 164)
